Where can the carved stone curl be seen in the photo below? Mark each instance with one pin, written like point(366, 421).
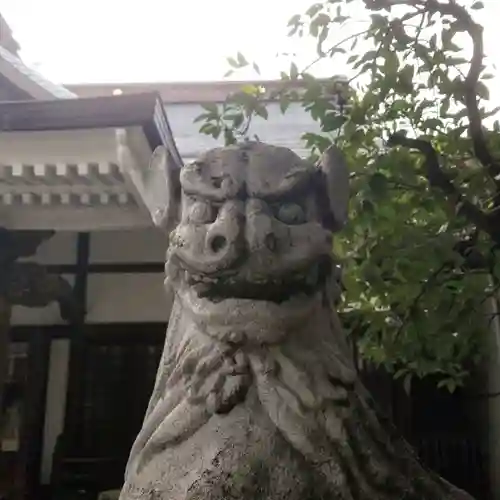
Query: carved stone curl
point(256, 396)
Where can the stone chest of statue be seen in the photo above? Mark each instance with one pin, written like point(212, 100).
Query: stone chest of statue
point(256, 396)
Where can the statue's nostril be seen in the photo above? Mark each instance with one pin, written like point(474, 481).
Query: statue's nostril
point(270, 242)
point(217, 243)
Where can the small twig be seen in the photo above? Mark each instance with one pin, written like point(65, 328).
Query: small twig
point(333, 47)
point(419, 31)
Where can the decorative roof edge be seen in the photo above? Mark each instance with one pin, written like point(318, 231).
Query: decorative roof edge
point(115, 111)
point(29, 80)
point(185, 92)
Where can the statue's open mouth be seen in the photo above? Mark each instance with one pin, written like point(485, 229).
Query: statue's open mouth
point(217, 288)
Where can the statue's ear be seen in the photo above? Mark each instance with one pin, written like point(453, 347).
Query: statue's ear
point(157, 184)
point(163, 189)
point(334, 187)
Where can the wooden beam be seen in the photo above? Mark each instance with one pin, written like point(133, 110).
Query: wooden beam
point(97, 333)
point(179, 92)
point(111, 268)
point(34, 412)
point(78, 342)
point(89, 113)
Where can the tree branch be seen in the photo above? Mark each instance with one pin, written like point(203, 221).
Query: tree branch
point(469, 83)
point(475, 31)
point(439, 179)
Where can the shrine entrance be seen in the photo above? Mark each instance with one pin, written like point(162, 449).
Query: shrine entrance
point(24, 411)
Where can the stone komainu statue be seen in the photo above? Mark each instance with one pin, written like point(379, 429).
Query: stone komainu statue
point(256, 396)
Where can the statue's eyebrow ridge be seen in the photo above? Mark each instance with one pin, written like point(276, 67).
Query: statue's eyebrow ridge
point(294, 181)
point(193, 184)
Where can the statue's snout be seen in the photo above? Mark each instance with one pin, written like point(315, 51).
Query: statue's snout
point(260, 234)
point(223, 240)
point(242, 229)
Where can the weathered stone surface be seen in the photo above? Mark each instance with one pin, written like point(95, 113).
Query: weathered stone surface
point(256, 396)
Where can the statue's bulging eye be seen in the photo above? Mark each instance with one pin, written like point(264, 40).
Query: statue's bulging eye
point(202, 212)
point(291, 213)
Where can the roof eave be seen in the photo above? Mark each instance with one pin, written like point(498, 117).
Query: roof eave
point(28, 80)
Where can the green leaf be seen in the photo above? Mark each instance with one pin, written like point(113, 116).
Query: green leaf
point(405, 76)
point(211, 129)
point(261, 110)
point(477, 5)
point(284, 102)
point(378, 184)
point(229, 137)
point(367, 56)
point(379, 21)
point(316, 140)
point(368, 207)
point(432, 123)
point(294, 71)
point(482, 91)
point(242, 62)
point(250, 89)
point(400, 373)
point(211, 108)
point(332, 121)
point(203, 117)
point(391, 64)
point(449, 383)
point(314, 9)
point(322, 19)
point(447, 40)
point(294, 20)
point(237, 119)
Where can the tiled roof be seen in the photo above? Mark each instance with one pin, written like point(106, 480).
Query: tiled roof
point(29, 80)
point(6, 39)
point(177, 92)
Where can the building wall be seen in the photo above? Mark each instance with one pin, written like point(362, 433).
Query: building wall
point(279, 129)
point(111, 297)
point(183, 105)
point(125, 297)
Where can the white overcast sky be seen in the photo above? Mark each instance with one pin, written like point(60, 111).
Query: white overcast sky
point(73, 41)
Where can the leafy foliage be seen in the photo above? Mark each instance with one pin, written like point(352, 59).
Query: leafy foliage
point(420, 253)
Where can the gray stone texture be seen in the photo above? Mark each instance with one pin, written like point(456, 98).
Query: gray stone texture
point(256, 396)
